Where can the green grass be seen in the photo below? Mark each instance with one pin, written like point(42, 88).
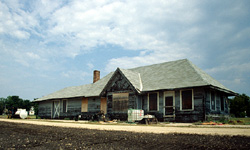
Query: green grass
point(240, 121)
point(231, 121)
point(3, 116)
point(29, 117)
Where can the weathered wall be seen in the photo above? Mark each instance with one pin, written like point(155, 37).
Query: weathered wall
point(45, 109)
point(192, 115)
point(94, 104)
point(218, 112)
point(73, 108)
point(119, 84)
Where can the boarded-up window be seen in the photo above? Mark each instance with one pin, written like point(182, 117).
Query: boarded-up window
point(84, 104)
point(187, 99)
point(104, 105)
point(65, 103)
point(120, 102)
point(152, 98)
point(212, 100)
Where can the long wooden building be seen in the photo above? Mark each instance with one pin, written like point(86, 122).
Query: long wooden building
point(172, 91)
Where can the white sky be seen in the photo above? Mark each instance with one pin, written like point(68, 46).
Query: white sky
point(48, 45)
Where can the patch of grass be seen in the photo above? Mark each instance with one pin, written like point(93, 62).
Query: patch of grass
point(31, 117)
point(231, 121)
point(239, 121)
point(3, 116)
point(198, 123)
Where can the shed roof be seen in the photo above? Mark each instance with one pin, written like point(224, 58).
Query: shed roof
point(168, 75)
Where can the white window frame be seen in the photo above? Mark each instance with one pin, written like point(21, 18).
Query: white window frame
point(214, 101)
point(66, 105)
point(192, 100)
point(157, 102)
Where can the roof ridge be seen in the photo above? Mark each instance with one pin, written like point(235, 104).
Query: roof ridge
point(159, 64)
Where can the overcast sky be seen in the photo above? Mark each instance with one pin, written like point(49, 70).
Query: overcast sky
point(49, 45)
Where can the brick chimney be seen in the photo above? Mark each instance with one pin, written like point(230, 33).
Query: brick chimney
point(96, 76)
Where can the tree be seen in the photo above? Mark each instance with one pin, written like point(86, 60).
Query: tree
point(26, 105)
point(240, 105)
point(16, 102)
point(2, 105)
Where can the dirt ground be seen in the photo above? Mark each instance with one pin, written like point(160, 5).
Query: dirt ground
point(161, 128)
point(30, 136)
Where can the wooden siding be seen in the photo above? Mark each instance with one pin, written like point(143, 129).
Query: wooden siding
point(45, 109)
point(190, 115)
point(120, 84)
point(74, 107)
point(94, 105)
point(217, 112)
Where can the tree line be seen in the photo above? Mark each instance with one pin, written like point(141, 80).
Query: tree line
point(240, 106)
point(12, 103)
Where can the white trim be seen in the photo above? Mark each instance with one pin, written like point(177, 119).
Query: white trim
point(211, 101)
point(141, 86)
point(168, 93)
point(66, 105)
point(57, 108)
point(192, 100)
point(52, 109)
point(157, 102)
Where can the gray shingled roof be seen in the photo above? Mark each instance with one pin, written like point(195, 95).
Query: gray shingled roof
point(175, 74)
point(168, 75)
point(134, 78)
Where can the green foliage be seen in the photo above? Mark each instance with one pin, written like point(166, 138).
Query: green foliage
point(2, 105)
point(14, 102)
point(35, 108)
point(223, 120)
point(240, 106)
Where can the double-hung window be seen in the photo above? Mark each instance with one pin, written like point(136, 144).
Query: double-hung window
point(213, 100)
point(65, 105)
point(153, 101)
point(187, 100)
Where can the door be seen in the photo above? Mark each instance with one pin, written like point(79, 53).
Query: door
point(56, 109)
point(169, 104)
point(104, 105)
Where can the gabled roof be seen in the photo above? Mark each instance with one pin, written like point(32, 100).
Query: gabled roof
point(164, 76)
point(134, 78)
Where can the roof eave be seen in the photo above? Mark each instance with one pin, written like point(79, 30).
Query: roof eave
point(229, 92)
